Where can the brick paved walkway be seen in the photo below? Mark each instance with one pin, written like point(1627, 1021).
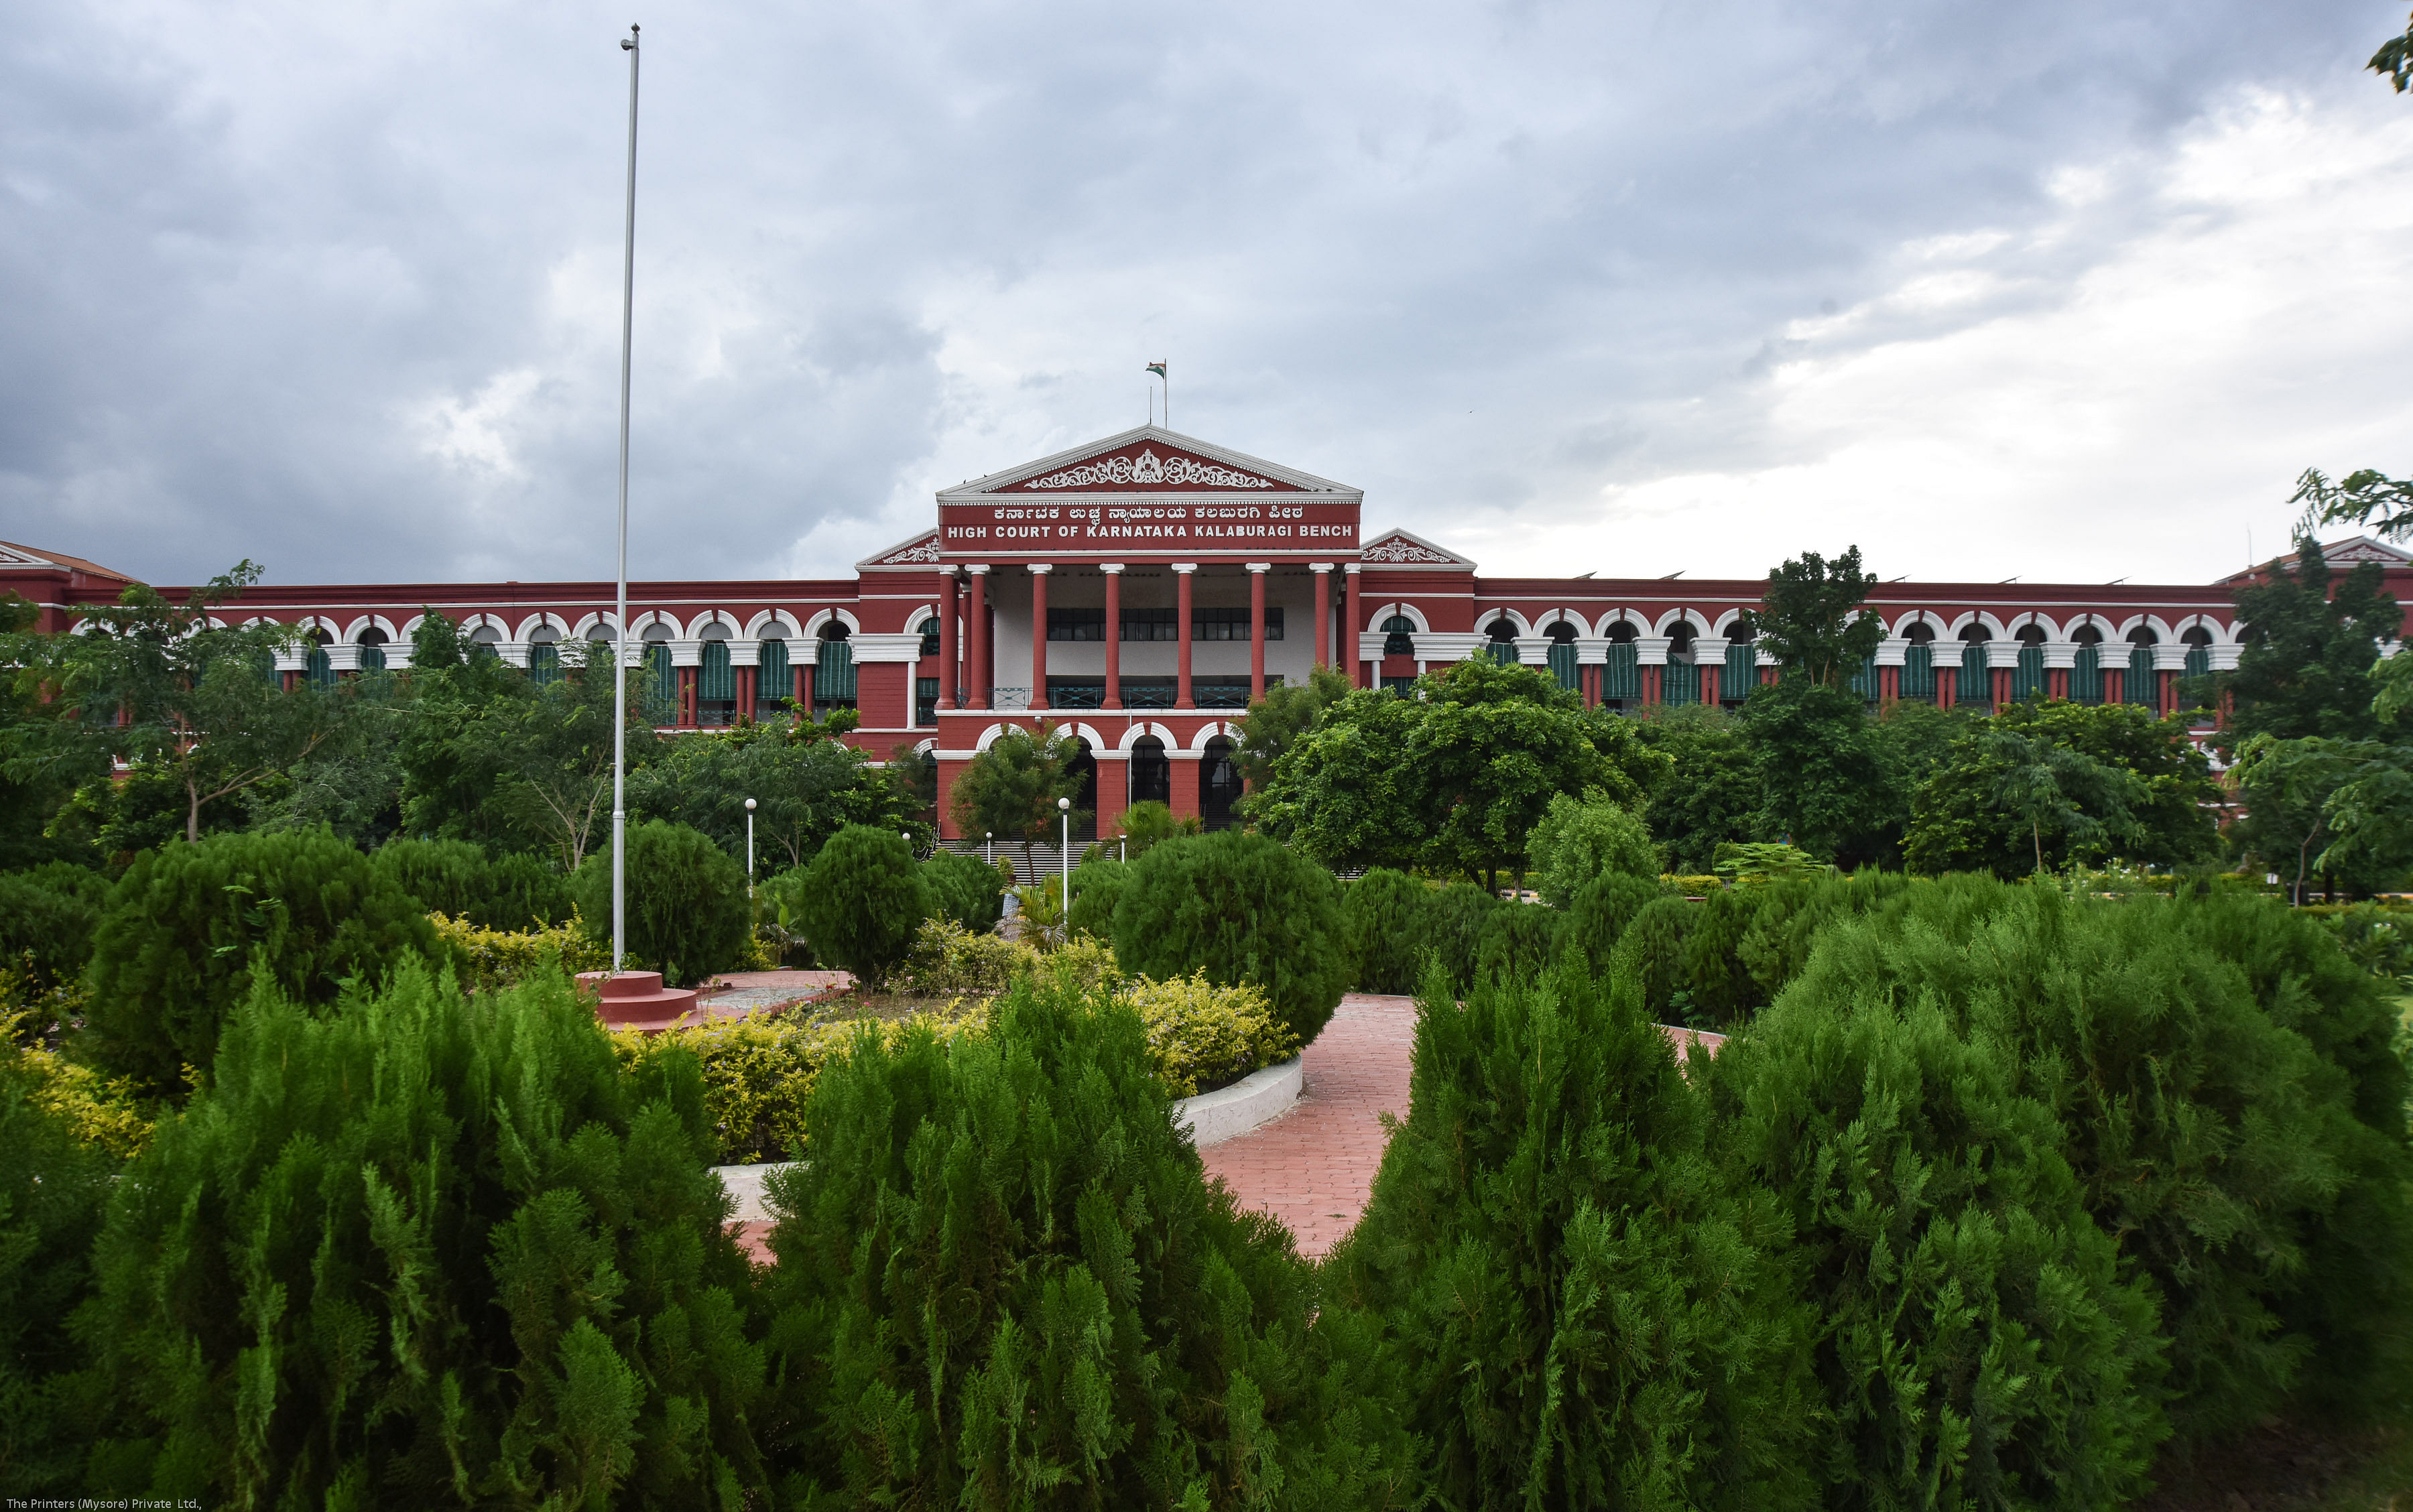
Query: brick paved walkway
point(1313, 1167)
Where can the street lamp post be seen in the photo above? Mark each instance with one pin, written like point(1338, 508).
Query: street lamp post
point(620, 620)
point(749, 848)
point(1064, 895)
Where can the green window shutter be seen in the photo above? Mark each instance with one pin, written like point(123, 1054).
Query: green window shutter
point(373, 659)
point(773, 683)
point(2142, 687)
point(1977, 678)
point(834, 674)
point(1679, 682)
point(715, 680)
point(1742, 670)
point(2199, 662)
point(1919, 672)
point(2086, 677)
point(662, 683)
point(322, 671)
point(1622, 677)
point(545, 664)
point(2028, 678)
point(1864, 681)
point(1563, 663)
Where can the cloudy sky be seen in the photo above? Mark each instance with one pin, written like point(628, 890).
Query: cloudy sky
point(2057, 290)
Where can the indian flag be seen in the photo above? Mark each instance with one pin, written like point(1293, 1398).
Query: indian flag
point(1157, 368)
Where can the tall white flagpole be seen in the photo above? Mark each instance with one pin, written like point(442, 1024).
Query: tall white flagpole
point(620, 624)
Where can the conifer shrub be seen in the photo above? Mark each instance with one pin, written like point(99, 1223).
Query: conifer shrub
point(513, 892)
point(1652, 953)
point(1097, 888)
point(861, 900)
point(1241, 908)
point(1715, 978)
point(689, 915)
point(2217, 1145)
point(48, 915)
point(1787, 915)
point(54, 1188)
point(1384, 914)
point(1004, 1281)
point(1519, 941)
point(966, 889)
point(1976, 1342)
point(188, 926)
point(1454, 919)
point(428, 1250)
point(1575, 1308)
point(1603, 910)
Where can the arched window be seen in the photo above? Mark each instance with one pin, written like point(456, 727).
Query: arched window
point(834, 668)
point(485, 640)
point(1621, 633)
point(1919, 632)
point(928, 630)
point(545, 655)
point(1680, 639)
point(2195, 635)
point(2198, 640)
point(1974, 634)
point(2029, 635)
point(774, 685)
point(1563, 656)
point(1502, 641)
point(1398, 636)
point(2087, 634)
point(371, 642)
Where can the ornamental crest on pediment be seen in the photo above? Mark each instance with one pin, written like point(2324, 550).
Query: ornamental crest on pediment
point(1399, 551)
point(1149, 469)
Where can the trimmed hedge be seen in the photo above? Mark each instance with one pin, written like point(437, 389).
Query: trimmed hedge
point(514, 892)
point(427, 1250)
point(689, 915)
point(47, 916)
point(1240, 907)
point(1384, 914)
point(862, 898)
point(966, 889)
point(189, 925)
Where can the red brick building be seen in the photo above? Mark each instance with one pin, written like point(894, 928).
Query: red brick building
point(1141, 589)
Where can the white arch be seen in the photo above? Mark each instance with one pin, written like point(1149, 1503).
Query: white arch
point(1724, 623)
point(1561, 617)
point(646, 620)
point(1143, 727)
point(924, 747)
point(1207, 732)
point(1414, 615)
point(1671, 617)
point(352, 631)
point(1640, 622)
point(1995, 630)
point(853, 625)
point(710, 620)
point(758, 627)
point(540, 620)
point(2220, 632)
point(1482, 621)
point(912, 624)
point(588, 625)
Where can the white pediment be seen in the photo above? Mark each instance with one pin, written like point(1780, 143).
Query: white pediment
point(920, 550)
point(1146, 460)
point(1405, 548)
point(2363, 549)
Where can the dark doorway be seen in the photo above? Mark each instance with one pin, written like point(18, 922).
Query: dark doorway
point(1151, 775)
point(1084, 765)
point(1219, 784)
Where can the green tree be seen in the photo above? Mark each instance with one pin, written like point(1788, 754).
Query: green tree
point(807, 784)
point(1279, 716)
point(1098, 885)
point(165, 687)
point(1824, 780)
point(1240, 907)
point(688, 913)
point(1010, 789)
point(2326, 809)
point(2310, 640)
point(1577, 1310)
point(428, 1250)
point(1452, 780)
point(1601, 913)
point(1810, 621)
point(1710, 793)
point(54, 1188)
point(1003, 1282)
point(1962, 820)
point(189, 929)
point(1149, 823)
point(863, 899)
point(966, 889)
point(1716, 980)
point(47, 916)
point(1579, 838)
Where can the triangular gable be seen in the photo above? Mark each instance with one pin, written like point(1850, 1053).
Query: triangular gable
point(14, 555)
point(1147, 460)
point(920, 551)
point(2363, 549)
point(1405, 548)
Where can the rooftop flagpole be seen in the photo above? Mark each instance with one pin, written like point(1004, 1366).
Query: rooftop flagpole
point(1158, 368)
point(620, 623)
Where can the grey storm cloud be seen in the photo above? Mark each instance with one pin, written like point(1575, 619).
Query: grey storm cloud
point(335, 287)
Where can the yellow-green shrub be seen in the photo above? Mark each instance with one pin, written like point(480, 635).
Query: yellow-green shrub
point(107, 1113)
point(759, 1073)
point(489, 960)
point(1199, 1033)
point(949, 960)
